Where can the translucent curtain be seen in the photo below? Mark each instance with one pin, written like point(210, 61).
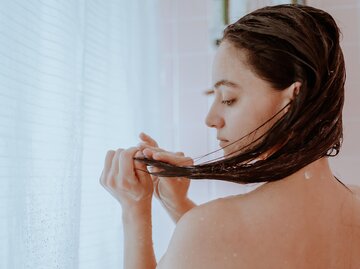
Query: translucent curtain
point(70, 84)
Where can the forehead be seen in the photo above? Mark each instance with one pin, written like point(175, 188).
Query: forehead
point(229, 63)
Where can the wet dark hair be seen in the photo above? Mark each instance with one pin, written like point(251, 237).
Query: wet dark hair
point(284, 44)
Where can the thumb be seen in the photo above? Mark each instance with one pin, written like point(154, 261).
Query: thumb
point(148, 139)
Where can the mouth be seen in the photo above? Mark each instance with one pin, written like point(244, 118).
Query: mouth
point(222, 143)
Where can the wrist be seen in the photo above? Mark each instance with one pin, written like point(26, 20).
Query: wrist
point(138, 211)
point(180, 205)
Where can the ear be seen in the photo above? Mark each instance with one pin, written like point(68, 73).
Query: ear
point(290, 93)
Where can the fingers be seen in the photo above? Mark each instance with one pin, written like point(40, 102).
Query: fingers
point(126, 165)
point(107, 166)
point(108, 159)
point(151, 144)
point(122, 173)
point(115, 161)
point(177, 158)
point(125, 178)
point(148, 139)
point(172, 158)
point(149, 152)
point(143, 145)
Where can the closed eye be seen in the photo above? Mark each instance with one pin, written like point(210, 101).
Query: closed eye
point(228, 102)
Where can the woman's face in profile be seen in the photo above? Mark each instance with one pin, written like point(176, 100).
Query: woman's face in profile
point(243, 101)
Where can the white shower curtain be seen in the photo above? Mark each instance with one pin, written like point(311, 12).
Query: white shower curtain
point(77, 78)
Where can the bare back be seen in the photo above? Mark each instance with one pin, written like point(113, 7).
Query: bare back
point(312, 234)
point(265, 231)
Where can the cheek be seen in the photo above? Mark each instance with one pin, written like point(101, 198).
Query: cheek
point(247, 117)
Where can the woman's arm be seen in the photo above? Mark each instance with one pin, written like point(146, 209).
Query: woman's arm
point(138, 244)
point(126, 180)
point(137, 224)
point(171, 192)
point(177, 211)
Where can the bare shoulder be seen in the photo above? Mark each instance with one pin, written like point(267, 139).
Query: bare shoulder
point(233, 232)
point(203, 238)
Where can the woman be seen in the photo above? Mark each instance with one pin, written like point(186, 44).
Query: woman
point(279, 89)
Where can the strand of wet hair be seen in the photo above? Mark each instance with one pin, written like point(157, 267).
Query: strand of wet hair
point(262, 125)
point(165, 165)
point(145, 160)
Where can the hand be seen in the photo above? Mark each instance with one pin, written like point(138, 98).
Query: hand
point(170, 191)
point(120, 177)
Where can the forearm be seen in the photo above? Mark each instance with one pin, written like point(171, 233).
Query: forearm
point(138, 244)
point(177, 211)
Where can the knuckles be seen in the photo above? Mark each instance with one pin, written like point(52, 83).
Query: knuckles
point(139, 154)
point(128, 153)
point(189, 161)
point(110, 178)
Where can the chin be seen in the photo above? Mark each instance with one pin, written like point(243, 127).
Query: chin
point(231, 152)
point(226, 152)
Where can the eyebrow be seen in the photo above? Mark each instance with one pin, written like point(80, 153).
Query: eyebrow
point(224, 82)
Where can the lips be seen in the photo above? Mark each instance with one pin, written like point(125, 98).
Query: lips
point(222, 141)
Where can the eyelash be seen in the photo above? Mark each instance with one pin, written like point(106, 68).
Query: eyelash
point(228, 102)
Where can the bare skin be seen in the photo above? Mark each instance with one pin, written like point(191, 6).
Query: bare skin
point(127, 182)
point(171, 192)
point(308, 220)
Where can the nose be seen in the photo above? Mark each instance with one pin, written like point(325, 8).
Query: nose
point(214, 118)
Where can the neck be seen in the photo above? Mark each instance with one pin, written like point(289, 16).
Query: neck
point(313, 177)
